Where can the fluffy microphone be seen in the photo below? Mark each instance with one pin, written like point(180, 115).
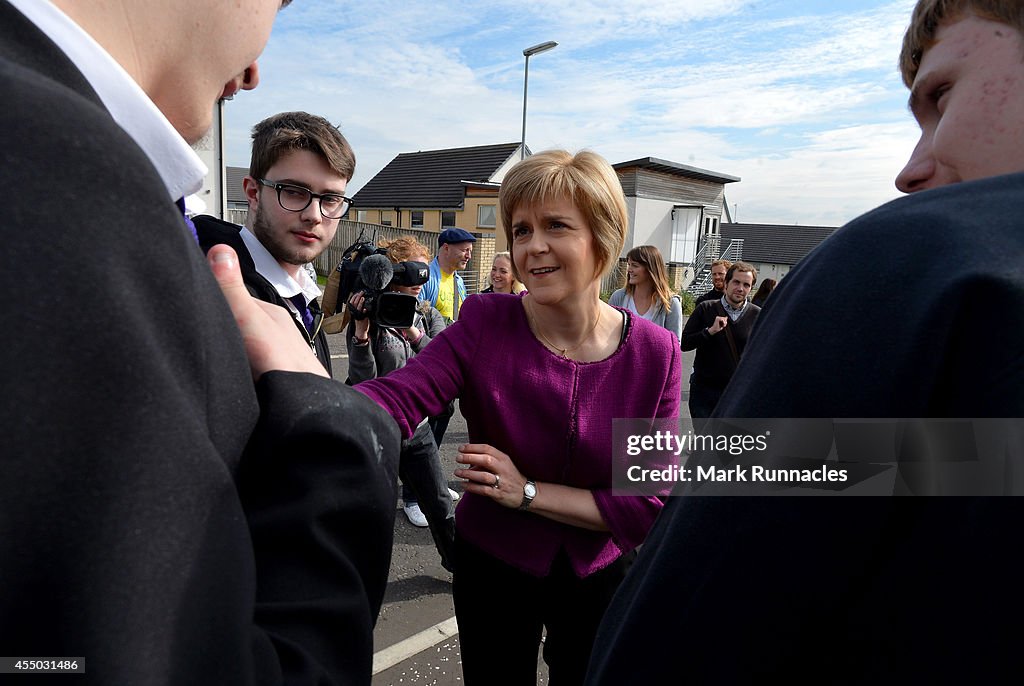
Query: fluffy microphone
point(376, 272)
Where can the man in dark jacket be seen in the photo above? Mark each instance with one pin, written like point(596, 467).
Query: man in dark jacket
point(718, 330)
point(872, 590)
point(169, 513)
point(299, 168)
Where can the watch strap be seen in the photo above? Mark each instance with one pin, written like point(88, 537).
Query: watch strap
point(527, 498)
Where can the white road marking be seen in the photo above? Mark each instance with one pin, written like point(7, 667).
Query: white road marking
point(403, 650)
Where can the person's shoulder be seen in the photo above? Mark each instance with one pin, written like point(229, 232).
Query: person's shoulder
point(213, 231)
point(950, 234)
point(617, 298)
point(953, 214)
point(705, 306)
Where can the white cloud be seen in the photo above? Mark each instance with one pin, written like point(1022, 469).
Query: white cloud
point(785, 101)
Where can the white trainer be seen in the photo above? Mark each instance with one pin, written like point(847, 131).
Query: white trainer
point(415, 515)
point(455, 495)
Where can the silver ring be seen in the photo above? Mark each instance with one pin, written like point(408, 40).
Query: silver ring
point(497, 481)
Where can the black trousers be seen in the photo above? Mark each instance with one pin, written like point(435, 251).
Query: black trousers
point(501, 612)
point(703, 400)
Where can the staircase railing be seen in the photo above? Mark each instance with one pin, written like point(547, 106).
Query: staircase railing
point(703, 259)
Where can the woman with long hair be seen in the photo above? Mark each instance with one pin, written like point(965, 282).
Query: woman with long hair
point(502, 278)
point(542, 541)
point(763, 291)
point(647, 292)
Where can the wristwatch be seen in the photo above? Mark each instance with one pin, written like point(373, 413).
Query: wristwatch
point(529, 493)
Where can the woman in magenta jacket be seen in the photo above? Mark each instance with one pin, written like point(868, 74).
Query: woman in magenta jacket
point(541, 541)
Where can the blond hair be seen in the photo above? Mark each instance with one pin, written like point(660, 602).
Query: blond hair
point(517, 285)
point(585, 179)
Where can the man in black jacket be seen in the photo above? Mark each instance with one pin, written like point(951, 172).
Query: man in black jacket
point(718, 329)
point(163, 518)
point(298, 171)
point(872, 590)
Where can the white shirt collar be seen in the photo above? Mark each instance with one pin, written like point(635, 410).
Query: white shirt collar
point(273, 272)
point(177, 163)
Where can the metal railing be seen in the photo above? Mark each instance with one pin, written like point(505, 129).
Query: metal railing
point(702, 279)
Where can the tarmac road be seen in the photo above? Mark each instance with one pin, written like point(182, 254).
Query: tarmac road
point(416, 640)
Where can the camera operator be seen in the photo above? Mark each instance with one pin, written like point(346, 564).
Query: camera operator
point(376, 350)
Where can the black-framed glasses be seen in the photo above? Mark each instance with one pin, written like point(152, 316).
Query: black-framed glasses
point(296, 199)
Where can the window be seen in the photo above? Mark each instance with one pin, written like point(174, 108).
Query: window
point(385, 218)
point(417, 219)
point(486, 217)
point(361, 215)
point(447, 219)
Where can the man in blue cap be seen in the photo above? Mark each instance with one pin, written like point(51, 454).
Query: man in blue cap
point(445, 290)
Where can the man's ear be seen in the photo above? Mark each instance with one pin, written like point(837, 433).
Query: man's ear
point(251, 187)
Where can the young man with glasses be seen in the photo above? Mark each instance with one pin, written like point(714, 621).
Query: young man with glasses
point(298, 172)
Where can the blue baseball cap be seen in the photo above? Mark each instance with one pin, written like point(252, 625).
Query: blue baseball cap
point(455, 235)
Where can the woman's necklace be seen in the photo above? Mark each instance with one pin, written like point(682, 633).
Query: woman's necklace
point(564, 352)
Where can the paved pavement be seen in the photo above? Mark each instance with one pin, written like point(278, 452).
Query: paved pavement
point(416, 639)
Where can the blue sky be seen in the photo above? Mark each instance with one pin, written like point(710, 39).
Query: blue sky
point(801, 99)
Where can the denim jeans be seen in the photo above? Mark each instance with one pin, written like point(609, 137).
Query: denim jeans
point(439, 424)
point(419, 468)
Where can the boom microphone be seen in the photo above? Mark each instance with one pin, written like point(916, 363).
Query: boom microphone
point(376, 272)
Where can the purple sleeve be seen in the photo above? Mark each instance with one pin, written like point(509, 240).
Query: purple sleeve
point(630, 517)
point(431, 379)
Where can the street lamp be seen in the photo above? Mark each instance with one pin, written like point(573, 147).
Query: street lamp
point(535, 50)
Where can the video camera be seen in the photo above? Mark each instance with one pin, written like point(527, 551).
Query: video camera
point(365, 267)
point(376, 274)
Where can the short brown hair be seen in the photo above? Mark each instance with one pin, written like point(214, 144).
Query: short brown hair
point(587, 180)
point(929, 15)
point(721, 263)
point(742, 267)
point(283, 133)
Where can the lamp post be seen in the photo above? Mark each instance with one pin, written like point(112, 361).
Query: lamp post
point(535, 50)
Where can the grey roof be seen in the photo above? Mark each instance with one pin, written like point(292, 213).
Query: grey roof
point(432, 178)
point(234, 182)
point(678, 169)
point(776, 243)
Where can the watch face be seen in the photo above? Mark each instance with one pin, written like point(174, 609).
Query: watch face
point(530, 490)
